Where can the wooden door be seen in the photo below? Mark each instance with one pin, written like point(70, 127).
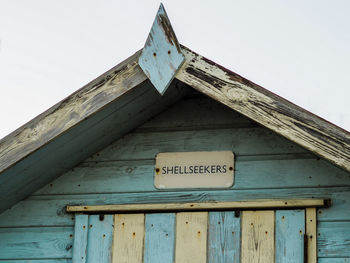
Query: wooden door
point(264, 236)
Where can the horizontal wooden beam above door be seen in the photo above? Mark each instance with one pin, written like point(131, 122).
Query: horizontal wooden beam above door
point(236, 205)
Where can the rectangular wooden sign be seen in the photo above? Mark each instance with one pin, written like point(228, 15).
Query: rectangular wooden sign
point(194, 170)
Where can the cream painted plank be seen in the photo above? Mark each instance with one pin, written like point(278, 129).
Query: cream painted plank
point(191, 237)
point(311, 234)
point(258, 237)
point(258, 204)
point(128, 238)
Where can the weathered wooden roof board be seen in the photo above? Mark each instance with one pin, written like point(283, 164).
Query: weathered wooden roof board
point(161, 56)
point(123, 98)
point(270, 110)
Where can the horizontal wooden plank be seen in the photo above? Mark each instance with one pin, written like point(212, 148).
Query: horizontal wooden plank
point(257, 204)
point(268, 109)
point(334, 260)
point(42, 210)
point(333, 239)
point(137, 176)
point(36, 243)
point(243, 141)
point(37, 213)
point(196, 113)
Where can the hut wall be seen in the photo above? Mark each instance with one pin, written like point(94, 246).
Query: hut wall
point(267, 166)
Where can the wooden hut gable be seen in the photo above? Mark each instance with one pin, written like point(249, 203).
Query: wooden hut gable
point(97, 148)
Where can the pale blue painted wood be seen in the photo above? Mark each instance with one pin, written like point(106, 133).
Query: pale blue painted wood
point(224, 237)
point(289, 234)
point(333, 239)
point(161, 56)
point(37, 261)
point(80, 142)
point(100, 237)
point(102, 186)
point(333, 260)
point(137, 176)
point(80, 238)
point(242, 141)
point(49, 210)
point(159, 238)
point(197, 113)
point(36, 243)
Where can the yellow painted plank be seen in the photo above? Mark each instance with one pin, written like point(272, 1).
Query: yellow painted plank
point(258, 237)
point(256, 204)
point(191, 237)
point(128, 238)
point(311, 234)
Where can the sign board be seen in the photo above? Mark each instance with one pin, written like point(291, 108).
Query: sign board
point(194, 170)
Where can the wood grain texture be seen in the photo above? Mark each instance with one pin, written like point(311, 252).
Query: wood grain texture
point(258, 236)
point(161, 56)
point(46, 207)
point(79, 142)
point(191, 237)
point(224, 237)
point(36, 243)
point(289, 231)
point(80, 238)
point(58, 119)
point(136, 146)
point(256, 204)
point(196, 113)
point(333, 239)
point(137, 176)
point(311, 232)
point(128, 238)
point(266, 108)
point(159, 238)
point(334, 260)
point(100, 237)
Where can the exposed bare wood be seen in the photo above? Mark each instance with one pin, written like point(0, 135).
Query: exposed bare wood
point(70, 112)
point(311, 235)
point(258, 204)
point(266, 108)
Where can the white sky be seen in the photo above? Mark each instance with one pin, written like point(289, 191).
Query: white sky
point(298, 49)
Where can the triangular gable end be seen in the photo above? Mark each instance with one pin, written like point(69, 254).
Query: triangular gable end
point(123, 98)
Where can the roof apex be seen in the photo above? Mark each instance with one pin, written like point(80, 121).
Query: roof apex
point(161, 56)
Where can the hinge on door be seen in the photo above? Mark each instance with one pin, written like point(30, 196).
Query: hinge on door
point(306, 242)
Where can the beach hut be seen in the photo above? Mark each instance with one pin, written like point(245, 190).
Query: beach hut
point(169, 157)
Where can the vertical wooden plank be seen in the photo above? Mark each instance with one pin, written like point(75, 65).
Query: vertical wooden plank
point(258, 237)
point(128, 238)
point(224, 237)
point(191, 237)
point(100, 238)
point(311, 234)
point(80, 238)
point(159, 238)
point(290, 230)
